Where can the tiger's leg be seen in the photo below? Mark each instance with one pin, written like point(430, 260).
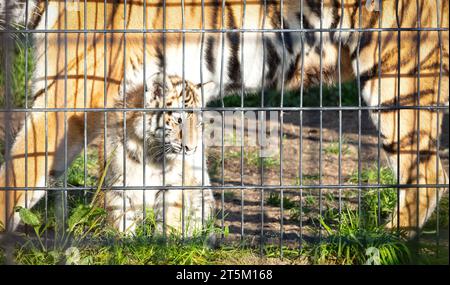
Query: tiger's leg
point(406, 73)
point(200, 205)
point(125, 210)
point(186, 211)
point(198, 210)
point(178, 211)
point(188, 215)
point(410, 139)
point(168, 211)
point(419, 164)
point(29, 149)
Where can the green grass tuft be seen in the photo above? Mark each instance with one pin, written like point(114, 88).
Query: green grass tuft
point(380, 201)
point(274, 200)
point(76, 175)
point(330, 97)
point(356, 242)
point(333, 148)
point(252, 158)
point(229, 195)
point(19, 73)
point(440, 217)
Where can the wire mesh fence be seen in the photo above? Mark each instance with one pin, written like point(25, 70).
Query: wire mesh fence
point(181, 117)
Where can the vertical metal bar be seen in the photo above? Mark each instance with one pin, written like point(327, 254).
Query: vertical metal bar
point(302, 37)
point(340, 111)
point(46, 119)
point(438, 126)
point(164, 115)
point(183, 125)
point(85, 101)
point(144, 116)
point(359, 107)
point(222, 112)
point(105, 92)
point(26, 105)
point(397, 18)
point(7, 50)
point(242, 117)
point(262, 130)
point(321, 118)
point(202, 45)
point(418, 120)
point(281, 127)
point(26, 109)
point(124, 157)
point(379, 116)
point(64, 197)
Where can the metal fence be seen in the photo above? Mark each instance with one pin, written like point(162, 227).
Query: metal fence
point(278, 188)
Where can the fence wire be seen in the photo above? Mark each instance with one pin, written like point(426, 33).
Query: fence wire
point(220, 185)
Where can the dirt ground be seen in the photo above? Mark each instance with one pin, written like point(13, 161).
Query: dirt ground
point(296, 229)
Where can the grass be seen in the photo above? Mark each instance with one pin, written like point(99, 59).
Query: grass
point(310, 178)
point(348, 238)
point(330, 97)
point(333, 148)
point(440, 217)
point(87, 240)
point(252, 158)
point(2, 150)
point(274, 200)
point(18, 75)
point(146, 252)
point(430, 253)
point(297, 213)
point(310, 200)
point(386, 198)
point(126, 250)
point(354, 238)
point(214, 165)
point(351, 238)
point(76, 175)
point(356, 242)
point(229, 195)
point(2, 256)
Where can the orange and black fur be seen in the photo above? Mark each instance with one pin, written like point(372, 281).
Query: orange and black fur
point(388, 61)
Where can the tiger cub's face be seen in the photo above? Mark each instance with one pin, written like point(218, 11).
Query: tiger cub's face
point(172, 131)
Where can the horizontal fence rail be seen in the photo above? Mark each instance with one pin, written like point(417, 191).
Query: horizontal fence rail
point(268, 188)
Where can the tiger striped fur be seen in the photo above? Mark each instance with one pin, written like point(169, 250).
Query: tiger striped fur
point(272, 59)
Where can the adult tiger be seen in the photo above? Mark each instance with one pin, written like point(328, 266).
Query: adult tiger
point(74, 75)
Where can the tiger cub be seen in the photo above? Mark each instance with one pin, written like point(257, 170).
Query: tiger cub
point(159, 152)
